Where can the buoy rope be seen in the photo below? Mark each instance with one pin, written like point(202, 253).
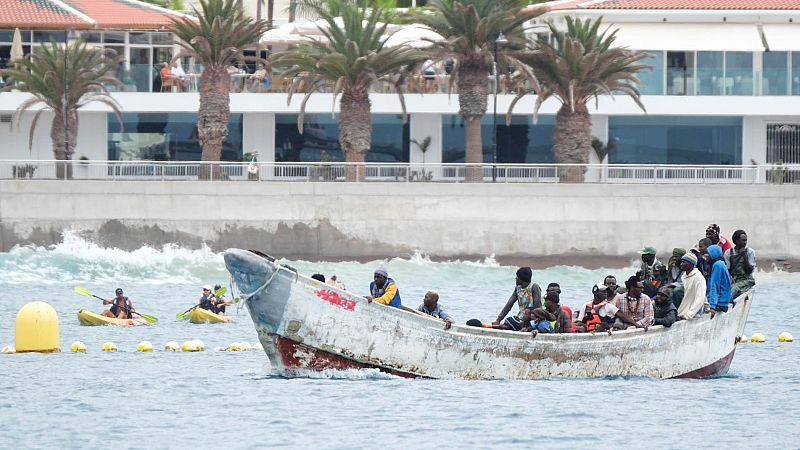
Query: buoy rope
point(246, 297)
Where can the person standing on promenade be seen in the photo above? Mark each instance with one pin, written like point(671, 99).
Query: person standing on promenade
point(694, 289)
point(741, 262)
point(384, 290)
point(527, 294)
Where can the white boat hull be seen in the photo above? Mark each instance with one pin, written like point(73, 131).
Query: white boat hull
point(305, 324)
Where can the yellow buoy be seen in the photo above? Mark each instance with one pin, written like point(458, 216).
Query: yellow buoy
point(36, 328)
point(144, 347)
point(785, 337)
point(77, 347)
point(171, 346)
point(235, 347)
point(109, 347)
point(757, 337)
point(743, 339)
point(8, 350)
point(195, 345)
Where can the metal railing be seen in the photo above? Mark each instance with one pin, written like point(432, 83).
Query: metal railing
point(397, 172)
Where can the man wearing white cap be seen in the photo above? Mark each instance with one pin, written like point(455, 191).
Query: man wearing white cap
point(383, 289)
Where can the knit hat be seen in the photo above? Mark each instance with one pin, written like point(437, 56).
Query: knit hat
point(525, 274)
point(382, 272)
point(678, 252)
point(690, 258)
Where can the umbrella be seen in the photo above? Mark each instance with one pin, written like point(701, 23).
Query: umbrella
point(16, 46)
point(415, 35)
point(322, 24)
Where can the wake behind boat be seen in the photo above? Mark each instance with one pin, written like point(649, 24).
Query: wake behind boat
point(306, 324)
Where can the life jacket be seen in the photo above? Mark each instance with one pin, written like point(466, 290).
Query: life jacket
point(596, 320)
point(206, 303)
point(115, 307)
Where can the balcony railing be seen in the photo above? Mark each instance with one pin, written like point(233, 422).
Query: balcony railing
point(398, 172)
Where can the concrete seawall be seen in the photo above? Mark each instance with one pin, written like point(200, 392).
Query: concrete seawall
point(348, 220)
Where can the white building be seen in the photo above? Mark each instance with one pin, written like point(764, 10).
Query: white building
point(725, 89)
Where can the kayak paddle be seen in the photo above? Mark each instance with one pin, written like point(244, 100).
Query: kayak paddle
point(87, 293)
point(217, 293)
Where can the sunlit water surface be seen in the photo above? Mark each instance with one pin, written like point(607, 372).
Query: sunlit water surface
point(233, 400)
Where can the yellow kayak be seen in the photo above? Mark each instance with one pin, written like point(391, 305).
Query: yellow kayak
point(199, 315)
point(92, 319)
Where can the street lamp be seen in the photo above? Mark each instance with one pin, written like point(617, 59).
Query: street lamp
point(501, 40)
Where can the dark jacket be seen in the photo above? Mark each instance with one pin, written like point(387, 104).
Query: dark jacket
point(665, 315)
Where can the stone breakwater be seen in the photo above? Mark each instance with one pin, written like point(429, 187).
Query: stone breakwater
point(581, 224)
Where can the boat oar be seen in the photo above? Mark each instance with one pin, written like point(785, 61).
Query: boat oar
point(87, 293)
point(217, 293)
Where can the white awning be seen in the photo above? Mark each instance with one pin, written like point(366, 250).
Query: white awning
point(782, 37)
point(689, 36)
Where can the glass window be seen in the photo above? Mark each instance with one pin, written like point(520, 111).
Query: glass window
point(739, 70)
point(114, 37)
point(143, 72)
point(795, 73)
point(92, 36)
point(521, 142)
point(652, 81)
point(710, 80)
point(166, 137)
point(320, 139)
point(140, 38)
point(680, 73)
point(6, 36)
point(676, 140)
point(161, 38)
point(47, 36)
point(775, 80)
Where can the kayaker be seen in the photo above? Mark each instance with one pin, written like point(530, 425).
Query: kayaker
point(207, 299)
point(694, 289)
point(383, 289)
point(121, 306)
point(741, 261)
point(527, 294)
point(218, 302)
point(430, 306)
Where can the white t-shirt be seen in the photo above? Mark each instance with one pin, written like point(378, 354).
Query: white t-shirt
point(607, 310)
point(177, 71)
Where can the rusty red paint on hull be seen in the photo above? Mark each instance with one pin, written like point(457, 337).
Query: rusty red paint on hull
point(316, 359)
point(336, 300)
point(716, 368)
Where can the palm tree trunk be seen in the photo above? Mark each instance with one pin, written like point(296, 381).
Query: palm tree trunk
point(270, 13)
point(473, 88)
point(62, 150)
point(572, 141)
point(212, 118)
point(355, 130)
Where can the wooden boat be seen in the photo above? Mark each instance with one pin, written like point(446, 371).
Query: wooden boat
point(305, 324)
point(91, 319)
point(199, 315)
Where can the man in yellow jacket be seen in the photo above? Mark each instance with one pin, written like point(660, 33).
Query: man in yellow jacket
point(383, 289)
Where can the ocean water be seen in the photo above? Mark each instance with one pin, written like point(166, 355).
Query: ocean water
point(234, 400)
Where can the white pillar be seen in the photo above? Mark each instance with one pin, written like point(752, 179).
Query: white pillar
point(422, 126)
point(258, 135)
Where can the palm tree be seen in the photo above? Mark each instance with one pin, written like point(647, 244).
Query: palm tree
point(353, 57)
point(579, 64)
point(63, 79)
point(470, 29)
point(216, 39)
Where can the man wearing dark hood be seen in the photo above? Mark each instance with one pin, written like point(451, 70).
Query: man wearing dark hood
point(527, 294)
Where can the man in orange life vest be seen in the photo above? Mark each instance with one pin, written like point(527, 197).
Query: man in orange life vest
point(599, 314)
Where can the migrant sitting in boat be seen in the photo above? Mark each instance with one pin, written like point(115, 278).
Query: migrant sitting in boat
point(694, 288)
point(635, 305)
point(653, 272)
point(741, 261)
point(712, 233)
point(719, 281)
point(383, 289)
point(599, 314)
point(430, 306)
point(665, 313)
point(527, 294)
